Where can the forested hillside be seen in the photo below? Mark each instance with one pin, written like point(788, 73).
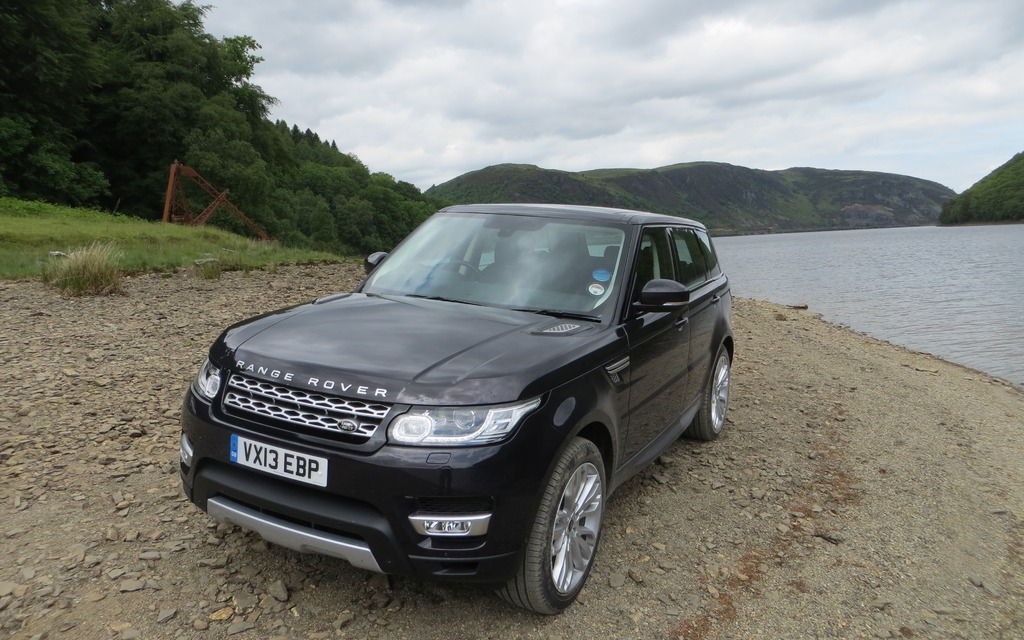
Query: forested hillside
point(726, 197)
point(998, 197)
point(97, 99)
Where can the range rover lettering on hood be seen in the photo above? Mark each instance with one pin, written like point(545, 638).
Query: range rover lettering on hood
point(316, 383)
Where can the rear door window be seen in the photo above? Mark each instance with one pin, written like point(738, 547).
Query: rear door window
point(714, 269)
point(691, 263)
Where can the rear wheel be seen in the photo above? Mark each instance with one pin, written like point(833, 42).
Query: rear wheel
point(710, 420)
point(563, 540)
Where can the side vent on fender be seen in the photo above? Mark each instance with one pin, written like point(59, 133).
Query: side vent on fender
point(616, 367)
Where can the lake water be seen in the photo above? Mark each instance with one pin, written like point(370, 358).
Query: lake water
point(955, 292)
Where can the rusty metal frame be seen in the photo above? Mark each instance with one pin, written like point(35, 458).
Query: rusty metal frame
point(176, 207)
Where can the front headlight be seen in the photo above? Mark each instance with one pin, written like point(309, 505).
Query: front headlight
point(458, 426)
point(207, 383)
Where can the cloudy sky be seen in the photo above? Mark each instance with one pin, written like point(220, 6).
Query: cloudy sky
point(427, 90)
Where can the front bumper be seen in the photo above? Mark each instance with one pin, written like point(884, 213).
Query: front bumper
point(400, 510)
point(291, 535)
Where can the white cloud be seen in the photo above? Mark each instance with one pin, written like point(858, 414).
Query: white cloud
point(430, 90)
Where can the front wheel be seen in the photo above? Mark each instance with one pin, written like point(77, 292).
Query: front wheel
point(563, 540)
point(710, 420)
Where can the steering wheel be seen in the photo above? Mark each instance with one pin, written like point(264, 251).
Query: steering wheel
point(460, 263)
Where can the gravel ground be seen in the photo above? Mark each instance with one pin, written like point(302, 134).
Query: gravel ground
point(860, 490)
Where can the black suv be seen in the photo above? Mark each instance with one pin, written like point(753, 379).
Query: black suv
point(465, 414)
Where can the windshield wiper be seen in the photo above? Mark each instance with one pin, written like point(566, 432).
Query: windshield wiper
point(441, 298)
point(566, 315)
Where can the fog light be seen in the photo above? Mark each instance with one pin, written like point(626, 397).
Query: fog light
point(447, 526)
point(186, 451)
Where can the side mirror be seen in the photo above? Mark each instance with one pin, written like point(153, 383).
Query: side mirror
point(372, 260)
point(662, 295)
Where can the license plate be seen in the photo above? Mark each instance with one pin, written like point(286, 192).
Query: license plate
point(278, 461)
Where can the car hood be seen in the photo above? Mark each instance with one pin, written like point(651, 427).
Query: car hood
point(416, 351)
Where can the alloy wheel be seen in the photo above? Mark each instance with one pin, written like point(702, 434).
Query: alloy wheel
point(575, 530)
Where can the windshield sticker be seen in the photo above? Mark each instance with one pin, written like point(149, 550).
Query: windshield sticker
point(602, 275)
point(596, 289)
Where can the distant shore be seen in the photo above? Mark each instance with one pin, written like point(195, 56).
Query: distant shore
point(769, 231)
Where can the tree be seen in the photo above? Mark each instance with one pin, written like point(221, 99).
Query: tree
point(315, 220)
point(166, 78)
point(47, 66)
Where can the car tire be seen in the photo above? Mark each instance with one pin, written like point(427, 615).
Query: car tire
point(562, 542)
point(710, 419)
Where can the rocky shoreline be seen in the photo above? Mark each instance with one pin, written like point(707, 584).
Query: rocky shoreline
point(861, 490)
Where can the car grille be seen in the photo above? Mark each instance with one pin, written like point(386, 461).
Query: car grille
point(351, 420)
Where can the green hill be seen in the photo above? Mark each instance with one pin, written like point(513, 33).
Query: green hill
point(728, 198)
point(998, 197)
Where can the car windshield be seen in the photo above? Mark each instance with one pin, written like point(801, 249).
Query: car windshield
point(546, 265)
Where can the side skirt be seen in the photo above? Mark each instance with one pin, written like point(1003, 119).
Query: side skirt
point(643, 458)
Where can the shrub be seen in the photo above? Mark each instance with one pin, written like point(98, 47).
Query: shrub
point(209, 268)
point(91, 270)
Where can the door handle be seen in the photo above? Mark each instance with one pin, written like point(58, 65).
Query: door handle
point(715, 299)
point(681, 322)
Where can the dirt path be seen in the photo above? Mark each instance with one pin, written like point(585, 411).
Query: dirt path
point(861, 490)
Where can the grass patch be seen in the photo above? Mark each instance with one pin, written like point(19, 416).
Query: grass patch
point(29, 231)
point(209, 268)
point(89, 271)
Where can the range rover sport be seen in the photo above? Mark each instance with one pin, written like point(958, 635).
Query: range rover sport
point(467, 412)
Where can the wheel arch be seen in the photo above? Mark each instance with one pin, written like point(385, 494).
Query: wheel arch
point(599, 434)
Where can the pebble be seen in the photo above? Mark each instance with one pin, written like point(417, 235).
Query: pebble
point(344, 618)
point(278, 590)
point(239, 627)
point(378, 581)
point(987, 586)
point(223, 613)
point(992, 590)
point(244, 601)
point(131, 585)
point(165, 614)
